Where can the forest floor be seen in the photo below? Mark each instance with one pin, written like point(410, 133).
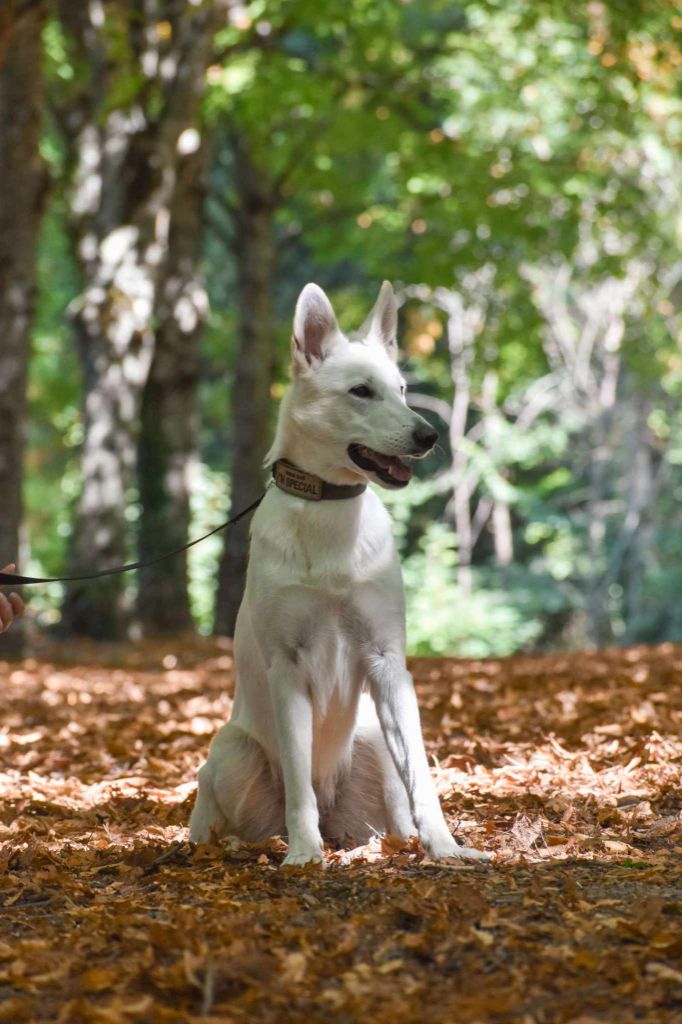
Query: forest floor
point(568, 768)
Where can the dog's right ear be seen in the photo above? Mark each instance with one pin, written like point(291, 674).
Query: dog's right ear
point(382, 323)
point(316, 330)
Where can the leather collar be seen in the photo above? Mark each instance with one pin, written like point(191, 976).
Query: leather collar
point(293, 480)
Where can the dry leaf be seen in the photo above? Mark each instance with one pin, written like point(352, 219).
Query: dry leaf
point(564, 766)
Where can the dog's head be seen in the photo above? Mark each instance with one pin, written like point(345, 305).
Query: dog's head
point(348, 395)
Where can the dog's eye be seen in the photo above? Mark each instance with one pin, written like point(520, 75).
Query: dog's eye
point(362, 391)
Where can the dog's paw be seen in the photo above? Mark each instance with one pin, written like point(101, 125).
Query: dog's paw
point(299, 858)
point(443, 850)
point(471, 853)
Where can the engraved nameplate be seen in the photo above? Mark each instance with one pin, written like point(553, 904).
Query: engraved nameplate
point(297, 482)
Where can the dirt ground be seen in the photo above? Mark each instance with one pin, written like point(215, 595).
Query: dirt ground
point(566, 767)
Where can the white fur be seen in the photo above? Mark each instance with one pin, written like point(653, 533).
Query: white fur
point(324, 738)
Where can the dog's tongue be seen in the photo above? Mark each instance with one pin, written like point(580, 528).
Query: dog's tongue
point(398, 470)
point(391, 463)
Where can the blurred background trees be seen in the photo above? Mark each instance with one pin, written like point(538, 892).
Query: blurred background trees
point(22, 191)
point(128, 124)
point(513, 167)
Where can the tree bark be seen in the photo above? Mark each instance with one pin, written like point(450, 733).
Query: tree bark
point(583, 344)
point(168, 433)
point(500, 515)
point(255, 255)
point(126, 163)
point(461, 332)
point(641, 493)
point(23, 183)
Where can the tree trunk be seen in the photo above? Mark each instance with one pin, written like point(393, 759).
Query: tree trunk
point(168, 433)
point(500, 516)
point(502, 534)
point(600, 627)
point(460, 334)
point(22, 190)
point(113, 380)
point(126, 163)
point(640, 489)
point(255, 254)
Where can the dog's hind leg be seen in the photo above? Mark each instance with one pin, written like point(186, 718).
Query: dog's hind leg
point(398, 816)
point(239, 795)
point(358, 811)
point(371, 797)
point(207, 820)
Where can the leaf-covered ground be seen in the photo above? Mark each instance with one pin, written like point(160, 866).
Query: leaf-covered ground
point(566, 767)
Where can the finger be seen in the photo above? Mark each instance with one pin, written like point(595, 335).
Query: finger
point(6, 613)
point(9, 568)
point(17, 604)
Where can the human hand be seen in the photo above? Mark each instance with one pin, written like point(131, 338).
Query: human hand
point(11, 605)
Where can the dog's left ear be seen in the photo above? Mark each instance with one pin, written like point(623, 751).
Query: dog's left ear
point(381, 325)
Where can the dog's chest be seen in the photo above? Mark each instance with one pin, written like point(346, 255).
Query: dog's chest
point(322, 577)
point(331, 546)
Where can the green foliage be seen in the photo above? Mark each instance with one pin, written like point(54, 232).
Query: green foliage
point(442, 620)
point(429, 142)
point(210, 500)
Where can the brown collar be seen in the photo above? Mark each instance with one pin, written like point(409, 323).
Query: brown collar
point(293, 480)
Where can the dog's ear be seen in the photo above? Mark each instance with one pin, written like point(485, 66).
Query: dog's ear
point(381, 326)
point(316, 330)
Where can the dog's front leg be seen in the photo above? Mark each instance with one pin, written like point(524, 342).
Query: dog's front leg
point(293, 716)
point(396, 703)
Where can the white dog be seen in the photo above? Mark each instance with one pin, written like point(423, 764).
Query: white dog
point(325, 739)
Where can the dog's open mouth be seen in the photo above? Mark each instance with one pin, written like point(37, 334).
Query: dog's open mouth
point(388, 468)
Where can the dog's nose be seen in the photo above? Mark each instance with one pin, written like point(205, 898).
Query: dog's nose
point(424, 438)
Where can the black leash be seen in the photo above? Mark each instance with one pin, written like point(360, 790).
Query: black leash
point(9, 579)
point(286, 476)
